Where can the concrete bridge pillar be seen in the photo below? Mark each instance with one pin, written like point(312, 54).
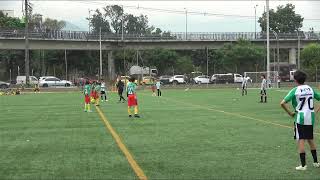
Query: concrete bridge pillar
point(111, 66)
point(292, 56)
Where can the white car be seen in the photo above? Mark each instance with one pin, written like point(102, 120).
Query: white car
point(45, 77)
point(48, 82)
point(22, 80)
point(177, 79)
point(202, 79)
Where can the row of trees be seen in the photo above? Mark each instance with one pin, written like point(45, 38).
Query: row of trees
point(237, 57)
point(113, 18)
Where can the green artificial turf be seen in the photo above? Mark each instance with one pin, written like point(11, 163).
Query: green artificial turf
point(194, 134)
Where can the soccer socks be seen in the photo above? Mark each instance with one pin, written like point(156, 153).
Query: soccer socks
point(265, 99)
point(314, 155)
point(303, 159)
point(129, 111)
point(261, 97)
point(88, 107)
point(136, 110)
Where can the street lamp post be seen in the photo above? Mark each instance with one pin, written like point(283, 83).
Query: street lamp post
point(122, 18)
point(255, 21)
point(268, 40)
point(298, 50)
point(100, 73)
point(186, 24)
point(278, 50)
point(27, 73)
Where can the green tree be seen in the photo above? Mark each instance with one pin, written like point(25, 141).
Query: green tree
point(241, 56)
point(53, 24)
point(310, 57)
point(10, 22)
point(114, 14)
point(283, 20)
point(163, 59)
point(184, 65)
point(98, 21)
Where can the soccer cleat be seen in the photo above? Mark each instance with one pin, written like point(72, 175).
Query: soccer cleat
point(89, 111)
point(107, 100)
point(85, 110)
point(316, 165)
point(136, 116)
point(130, 116)
point(300, 168)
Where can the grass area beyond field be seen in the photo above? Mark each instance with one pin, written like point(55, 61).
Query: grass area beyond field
point(195, 134)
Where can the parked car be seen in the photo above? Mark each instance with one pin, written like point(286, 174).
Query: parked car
point(202, 79)
point(44, 77)
point(177, 79)
point(48, 82)
point(147, 80)
point(164, 79)
point(22, 80)
point(227, 78)
point(4, 85)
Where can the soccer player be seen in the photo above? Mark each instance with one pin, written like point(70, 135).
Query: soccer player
point(244, 86)
point(153, 89)
point(263, 90)
point(36, 88)
point(302, 101)
point(87, 91)
point(97, 90)
point(120, 87)
point(132, 97)
point(103, 91)
point(158, 84)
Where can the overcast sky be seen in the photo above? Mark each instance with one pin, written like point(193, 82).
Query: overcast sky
point(76, 13)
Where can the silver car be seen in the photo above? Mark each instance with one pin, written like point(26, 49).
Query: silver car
point(4, 85)
point(53, 81)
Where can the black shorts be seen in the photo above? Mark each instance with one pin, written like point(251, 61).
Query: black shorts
point(263, 92)
point(303, 131)
point(102, 92)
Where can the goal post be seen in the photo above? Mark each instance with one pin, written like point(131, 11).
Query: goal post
point(255, 78)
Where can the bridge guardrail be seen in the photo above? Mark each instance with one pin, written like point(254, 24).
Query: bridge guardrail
point(86, 36)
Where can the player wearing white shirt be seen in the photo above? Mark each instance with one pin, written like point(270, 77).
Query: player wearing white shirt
point(158, 84)
point(244, 86)
point(263, 89)
point(103, 90)
point(302, 98)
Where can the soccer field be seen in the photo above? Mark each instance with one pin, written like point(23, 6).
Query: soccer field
point(195, 134)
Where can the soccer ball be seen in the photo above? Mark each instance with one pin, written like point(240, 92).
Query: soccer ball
point(92, 100)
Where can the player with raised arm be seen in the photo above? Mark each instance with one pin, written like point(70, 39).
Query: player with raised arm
point(302, 98)
point(263, 89)
point(132, 97)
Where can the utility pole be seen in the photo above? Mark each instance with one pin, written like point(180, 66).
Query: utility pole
point(100, 73)
point(27, 41)
point(255, 21)
point(186, 23)
point(66, 63)
point(122, 23)
point(298, 50)
point(268, 40)
point(207, 53)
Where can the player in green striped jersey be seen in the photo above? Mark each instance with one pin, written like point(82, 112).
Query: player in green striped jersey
point(302, 98)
